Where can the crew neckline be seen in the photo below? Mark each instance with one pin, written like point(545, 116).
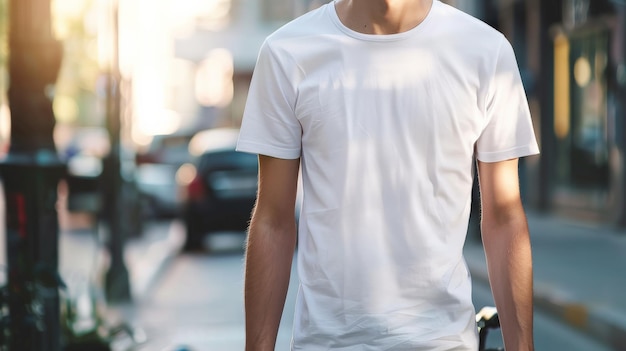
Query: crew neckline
point(332, 11)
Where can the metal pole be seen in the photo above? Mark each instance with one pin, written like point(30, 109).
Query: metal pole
point(550, 14)
point(117, 279)
point(30, 174)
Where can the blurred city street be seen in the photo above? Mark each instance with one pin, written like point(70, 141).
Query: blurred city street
point(579, 281)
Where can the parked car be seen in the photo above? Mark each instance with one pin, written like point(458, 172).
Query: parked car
point(158, 191)
point(83, 150)
point(171, 149)
point(156, 174)
point(220, 189)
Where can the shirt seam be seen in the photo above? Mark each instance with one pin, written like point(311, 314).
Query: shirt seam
point(334, 17)
point(527, 149)
point(259, 148)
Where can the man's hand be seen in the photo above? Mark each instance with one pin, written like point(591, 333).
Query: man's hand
point(507, 248)
point(269, 252)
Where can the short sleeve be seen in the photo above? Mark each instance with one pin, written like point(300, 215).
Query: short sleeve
point(508, 132)
point(269, 125)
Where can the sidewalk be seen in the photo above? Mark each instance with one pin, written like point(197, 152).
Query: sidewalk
point(579, 275)
point(83, 256)
point(84, 261)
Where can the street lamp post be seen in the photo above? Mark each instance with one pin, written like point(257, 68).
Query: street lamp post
point(30, 174)
point(117, 285)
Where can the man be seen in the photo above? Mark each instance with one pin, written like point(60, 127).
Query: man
point(384, 104)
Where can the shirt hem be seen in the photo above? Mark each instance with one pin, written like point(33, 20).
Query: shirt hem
point(517, 152)
point(266, 150)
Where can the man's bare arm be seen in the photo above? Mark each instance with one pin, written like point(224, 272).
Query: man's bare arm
point(508, 251)
point(269, 251)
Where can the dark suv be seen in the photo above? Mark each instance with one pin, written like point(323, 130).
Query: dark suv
point(222, 194)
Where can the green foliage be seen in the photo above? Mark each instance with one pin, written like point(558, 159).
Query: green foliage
point(4, 27)
point(80, 69)
point(76, 81)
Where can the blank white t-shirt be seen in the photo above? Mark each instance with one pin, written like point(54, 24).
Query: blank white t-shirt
point(386, 127)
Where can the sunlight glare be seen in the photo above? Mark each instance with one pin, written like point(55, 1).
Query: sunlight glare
point(158, 122)
point(63, 12)
point(65, 109)
point(5, 122)
point(214, 79)
point(211, 14)
point(185, 174)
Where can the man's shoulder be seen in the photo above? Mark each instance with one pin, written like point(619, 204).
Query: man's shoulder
point(311, 23)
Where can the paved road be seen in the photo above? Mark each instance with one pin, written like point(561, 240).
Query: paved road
point(550, 335)
point(198, 303)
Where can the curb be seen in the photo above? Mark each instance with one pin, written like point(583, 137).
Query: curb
point(602, 325)
point(146, 269)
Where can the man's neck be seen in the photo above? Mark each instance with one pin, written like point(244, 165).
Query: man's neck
point(382, 16)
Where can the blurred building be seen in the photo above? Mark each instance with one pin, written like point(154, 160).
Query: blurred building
point(572, 54)
point(223, 45)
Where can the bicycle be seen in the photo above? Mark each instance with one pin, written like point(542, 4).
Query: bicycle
point(486, 320)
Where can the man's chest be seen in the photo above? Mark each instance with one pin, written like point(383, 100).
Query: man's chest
point(372, 97)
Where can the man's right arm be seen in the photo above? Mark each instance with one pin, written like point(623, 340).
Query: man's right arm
point(269, 251)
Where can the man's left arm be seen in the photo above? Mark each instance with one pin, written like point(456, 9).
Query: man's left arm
point(507, 248)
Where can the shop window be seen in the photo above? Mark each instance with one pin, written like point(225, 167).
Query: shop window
point(581, 127)
point(580, 109)
point(589, 152)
